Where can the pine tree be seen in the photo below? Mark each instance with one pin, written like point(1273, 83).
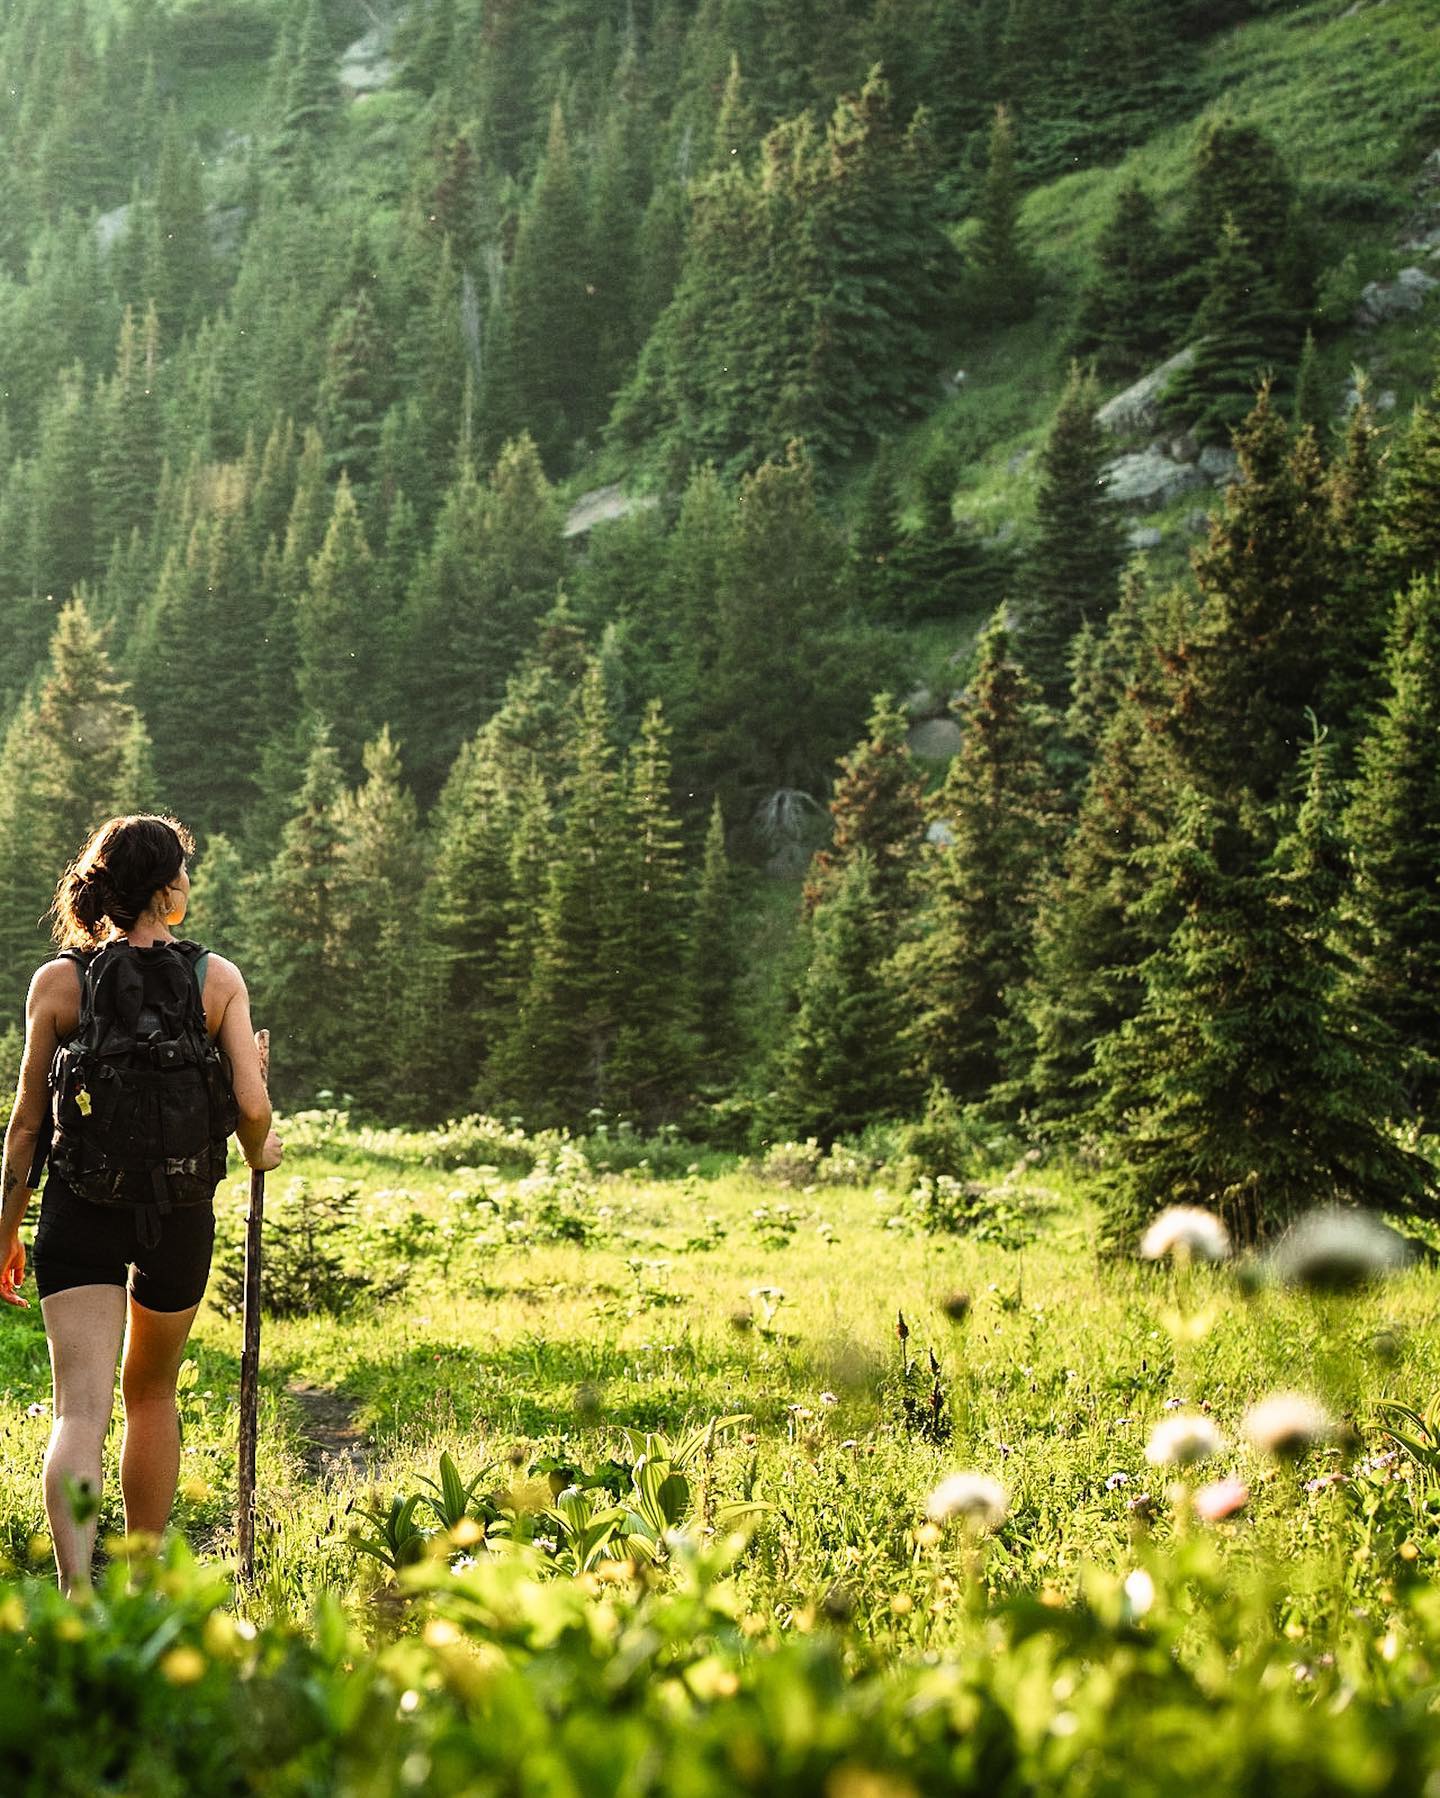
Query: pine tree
point(550, 323)
point(62, 529)
point(129, 424)
point(297, 929)
point(221, 899)
point(1261, 647)
point(178, 272)
point(877, 809)
point(1002, 277)
point(1244, 335)
point(1247, 1084)
point(1072, 570)
point(839, 1067)
point(353, 395)
point(651, 1063)
point(715, 961)
point(967, 963)
point(76, 753)
point(1361, 598)
point(495, 561)
point(466, 918)
point(377, 901)
point(1090, 936)
point(1410, 508)
point(554, 1062)
point(1393, 922)
point(1127, 319)
point(938, 569)
point(338, 633)
point(311, 95)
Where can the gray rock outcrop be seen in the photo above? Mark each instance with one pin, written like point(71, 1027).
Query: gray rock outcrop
point(1138, 407)
point(1148, 479)
point(1383, 300)
point(366, 66)
point(603, 506)
point(937, 738)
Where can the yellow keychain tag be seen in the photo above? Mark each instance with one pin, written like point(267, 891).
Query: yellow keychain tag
point(83, 1102)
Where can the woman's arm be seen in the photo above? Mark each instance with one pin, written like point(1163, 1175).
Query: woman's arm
point(258, 1142)
point(32, 1095)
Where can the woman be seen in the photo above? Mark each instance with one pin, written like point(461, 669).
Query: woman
point(129, 881)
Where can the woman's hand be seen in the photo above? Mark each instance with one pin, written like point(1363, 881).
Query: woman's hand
point(270, 1156)
point(12, 1269)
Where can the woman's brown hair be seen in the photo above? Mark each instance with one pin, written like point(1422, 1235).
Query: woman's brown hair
point(109, 885)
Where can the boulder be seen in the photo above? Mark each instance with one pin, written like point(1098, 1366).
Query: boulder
point(109, 226)
point(937, 738)
point(923, 703)
point(1221, 467)
point(1143, 536)
point(365, 65)
point(1138, 407)
point(1197, 523)
point(1382, 300)
point(942, 833)
point(603, 506)
point(1184, 448)
point(1148, 479)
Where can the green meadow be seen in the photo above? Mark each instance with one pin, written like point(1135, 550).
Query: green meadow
point(575, 1480)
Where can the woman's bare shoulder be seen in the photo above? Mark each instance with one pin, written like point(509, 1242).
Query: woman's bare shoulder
point(57, 979)
point(226, 976)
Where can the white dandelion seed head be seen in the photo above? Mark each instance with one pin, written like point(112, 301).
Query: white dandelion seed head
point(1187, 1233)
point(1338, 1249)
point(1139, 1590)
point(1286, 1424)
point(1182, 1439)
point(976, 1497)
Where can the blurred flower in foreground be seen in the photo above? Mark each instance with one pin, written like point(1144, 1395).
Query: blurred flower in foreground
point(1180, 1440)
point(1188, 1234)
point(1337, 1250)
point(1221, 1499)
point(1139, 1591)
point(979, 1499)
point(1286, 1424)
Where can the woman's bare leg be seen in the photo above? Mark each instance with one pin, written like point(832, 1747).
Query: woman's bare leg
point(150, 1455)
point(84, 1326)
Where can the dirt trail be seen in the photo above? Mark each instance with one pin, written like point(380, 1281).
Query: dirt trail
point(333, 1443)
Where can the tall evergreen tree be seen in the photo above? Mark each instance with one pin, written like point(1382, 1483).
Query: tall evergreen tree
point(715, 961)
point(297, 928)
point(338, 633)
point(1003, 279)
point(1410, 508)
point(1393, 922)
point(840, 1065)
point(74, 754)
point(1072, 570)
point(378, 906)
point(1247, 1084)
point(1127, 319)
point(969, 957)
point(877, 808)
point(652, 1061)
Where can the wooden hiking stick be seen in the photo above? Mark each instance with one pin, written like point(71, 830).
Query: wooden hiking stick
point(250, 1353)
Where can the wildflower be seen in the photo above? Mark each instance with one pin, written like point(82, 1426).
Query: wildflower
point(1187, 1233)
point(1337, 1250)
point(1221, 1499)
point(1181, 1439)
point(979, 1499)
point(1286, 1424)
point(1116, 1479)
point(1139, 1590)
point(828, 1398)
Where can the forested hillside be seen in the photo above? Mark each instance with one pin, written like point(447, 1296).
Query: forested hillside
point(317, 318)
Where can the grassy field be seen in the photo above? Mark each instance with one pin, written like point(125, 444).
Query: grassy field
point(535, 1326)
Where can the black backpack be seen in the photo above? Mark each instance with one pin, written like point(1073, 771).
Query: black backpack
point(142, 1104)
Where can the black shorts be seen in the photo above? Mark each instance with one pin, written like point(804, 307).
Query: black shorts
point(78, 1243)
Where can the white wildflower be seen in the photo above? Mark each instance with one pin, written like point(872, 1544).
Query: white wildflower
point(1337, 1250)
point(979, 1499)
point(1187, 1233)
point(1181, 1439)
point(1286, 1424)
point(1139, 1590)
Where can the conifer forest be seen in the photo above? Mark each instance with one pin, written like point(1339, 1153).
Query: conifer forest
point(829, 608)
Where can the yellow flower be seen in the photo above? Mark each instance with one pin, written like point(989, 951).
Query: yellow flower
point(183, 1666)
